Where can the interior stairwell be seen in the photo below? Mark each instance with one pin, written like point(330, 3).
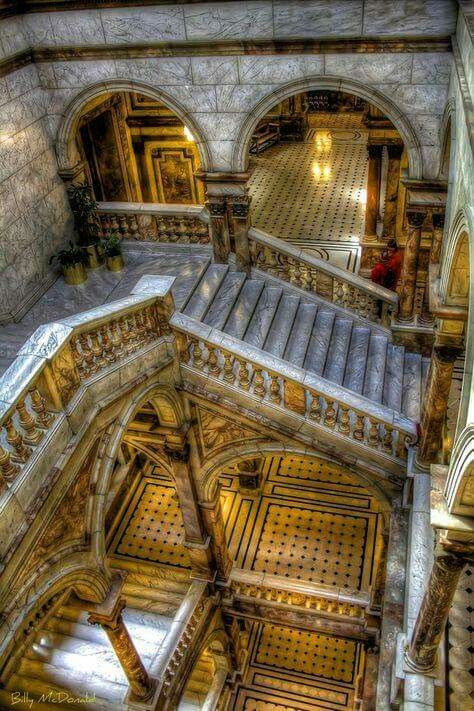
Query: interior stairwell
point(311, 333)
point(71, 658)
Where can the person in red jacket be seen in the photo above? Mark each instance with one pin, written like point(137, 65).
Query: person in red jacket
point(387, 270)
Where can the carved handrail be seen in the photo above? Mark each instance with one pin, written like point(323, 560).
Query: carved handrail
point(180, 640)
point(54, 362)
point(155, 222)
point(263, 377)
point(326, 600)
point(339, 286)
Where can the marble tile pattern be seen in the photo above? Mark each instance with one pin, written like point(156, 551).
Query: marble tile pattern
point(319, 186)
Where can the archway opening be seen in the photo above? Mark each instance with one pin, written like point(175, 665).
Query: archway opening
point(325, 171)
point(137, 149)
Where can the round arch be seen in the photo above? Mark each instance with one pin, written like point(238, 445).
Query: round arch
point(66, 150)
point(232, 454)
point(398, 118)
point(169, 409)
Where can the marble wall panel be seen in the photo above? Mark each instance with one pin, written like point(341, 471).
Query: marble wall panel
point(387, 68)
point(416, 99)
point(215, 70)
point(76, 28)
point(317, 18)
point(221, 152)
point(167, 72)
point(417, 17)
point(278, 70)
point(38, 29)
point(240, 98)
point(4, 92)
point(432, 68)
point(13, 38)
point(79, 74)
point(22, 80)
point(148, 24)
point(220, 127)
point(427, 127)
point(238, 20)
point(193, 98)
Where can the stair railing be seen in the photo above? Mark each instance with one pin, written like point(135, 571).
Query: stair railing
point(37, 389)
point(339, 286)
point(264, 378)
point(155, 222)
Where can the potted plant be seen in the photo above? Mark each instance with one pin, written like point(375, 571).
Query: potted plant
point(113, 254)
point(72, 261)
point(84, 207)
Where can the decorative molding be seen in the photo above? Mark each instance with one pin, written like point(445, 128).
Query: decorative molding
point(217, 430)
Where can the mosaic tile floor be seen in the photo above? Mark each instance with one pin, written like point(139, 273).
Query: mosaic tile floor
point(313, 193)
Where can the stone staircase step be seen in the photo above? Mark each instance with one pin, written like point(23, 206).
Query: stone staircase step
point(319, 341)
point(40, 678)
point(243, 309)
point(207, 288)
point(411, 386)
point(60, 625)
point(375, 371)
point(393, 386)
point(263, 316)
point(223, 301)
point(163, 607)
point(282, 323)
point(297, 345)
point(357, 359)
point(99, 662)
point(337, 352)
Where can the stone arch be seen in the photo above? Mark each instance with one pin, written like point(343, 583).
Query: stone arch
point(398, 118)
point(100, 481)
point(447, 136)
point(66, 150)
point(233, 454)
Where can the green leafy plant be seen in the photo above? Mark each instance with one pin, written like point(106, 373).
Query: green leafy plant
point(84, 207)
point(112, 247)
point(70, 257)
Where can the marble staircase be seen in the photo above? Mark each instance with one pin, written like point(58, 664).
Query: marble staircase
point(198, 685)
point(70, 658)
point(311, 333)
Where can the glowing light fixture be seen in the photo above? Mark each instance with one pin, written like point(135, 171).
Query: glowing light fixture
point(187, 134)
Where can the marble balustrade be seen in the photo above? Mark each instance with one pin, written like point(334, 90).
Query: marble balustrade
point(339, 286)
point(54, 362)
point(326, 600)
point(154, 222)
point(266, 378)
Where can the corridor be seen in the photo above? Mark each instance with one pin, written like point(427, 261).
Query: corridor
point(313, 193)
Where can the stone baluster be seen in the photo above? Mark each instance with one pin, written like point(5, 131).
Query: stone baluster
point(108, 615)
point(229, 375)
point(410, 265)
point(275, 390)
point(21, 452)
point(258, 382)
point(8, 470)
point(198, 361)
point(213, 362)
point(38, 405)
point(359, 427)
point(432, 616)
point(33, 435)
point(108, 355)
point(244, 374)
point(373, 190)
point(87, 355)
point(395, 151)
point(116, 339)
point(435, 402)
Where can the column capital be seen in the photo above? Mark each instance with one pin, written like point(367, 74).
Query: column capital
point(415, 218)
point(216, 205)
point(240, 206)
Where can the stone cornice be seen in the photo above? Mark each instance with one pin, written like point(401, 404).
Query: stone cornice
point(227, 48)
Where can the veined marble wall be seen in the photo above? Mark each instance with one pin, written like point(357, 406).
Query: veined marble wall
point(223, 96)
point(33, 205)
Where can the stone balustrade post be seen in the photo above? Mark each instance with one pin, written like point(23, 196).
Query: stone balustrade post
point(435, 402)
point(240, 223)
point(219, 227)
point(373, 190)
point(433, 614)
point(415, 221)
point(395, 151)
point(108, 615)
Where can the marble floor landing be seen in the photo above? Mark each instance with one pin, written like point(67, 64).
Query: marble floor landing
point(312, 194)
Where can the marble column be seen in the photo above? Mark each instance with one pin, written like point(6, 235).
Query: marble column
point(394, 151)
point(219, 228)
point(373, 190)
point(217, 684)
point(433, 613)
point(240, 223)
point(109, 616)
point(437, 241)
point(214, 521)
point(410, 265)
point(197, 542)
point(435, 401)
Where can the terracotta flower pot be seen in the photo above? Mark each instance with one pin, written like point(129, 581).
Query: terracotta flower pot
point(74, 274)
